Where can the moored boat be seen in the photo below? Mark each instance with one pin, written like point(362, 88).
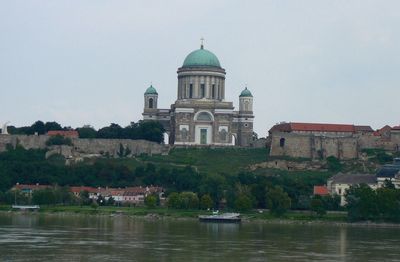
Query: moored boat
point(225, 218)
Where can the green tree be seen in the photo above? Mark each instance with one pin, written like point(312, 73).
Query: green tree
point(243, 203)
point(49, 126)
point(58, 140)
point(361, 203)
point(388, 200)
point(86, 132)
point(44, 197)
point(38, 127)
point(333, 164)
point(278, 201)
point(84, 198)
point(173, 200)
point(189, 200)
point(150, 201)
point(112, 131)
point(317, 206)
point(206, 202)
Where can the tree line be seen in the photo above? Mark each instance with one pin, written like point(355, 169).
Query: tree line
point(147, 130)
point(241, 191)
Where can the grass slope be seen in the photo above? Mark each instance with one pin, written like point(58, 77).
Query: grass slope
point(214, 160)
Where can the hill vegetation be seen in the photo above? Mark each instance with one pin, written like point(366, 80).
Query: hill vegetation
point(194, 178)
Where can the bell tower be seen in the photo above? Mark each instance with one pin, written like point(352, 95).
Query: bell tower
point(150, 98)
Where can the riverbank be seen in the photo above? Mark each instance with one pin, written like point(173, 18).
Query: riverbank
point(291, 217)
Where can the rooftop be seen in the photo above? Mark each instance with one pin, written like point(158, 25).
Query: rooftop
point(201, 58)
point(317, 127)
point(321, 190)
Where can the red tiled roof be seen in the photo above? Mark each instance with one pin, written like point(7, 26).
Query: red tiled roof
point(321, 190)
point(66, 133)
point(322, 127)
point(397, 128)
point(289, 127)
point(31, 187)
point(385, 128)
point(363, 129)
point(78, 189)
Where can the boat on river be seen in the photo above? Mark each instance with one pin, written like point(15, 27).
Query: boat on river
point(26, 207)
point(221, 218)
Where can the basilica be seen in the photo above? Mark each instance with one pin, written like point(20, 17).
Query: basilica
point(200, 115)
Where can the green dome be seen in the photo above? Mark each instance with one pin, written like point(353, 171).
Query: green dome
point(201, 57)
point(151, 91)
point(246, 93)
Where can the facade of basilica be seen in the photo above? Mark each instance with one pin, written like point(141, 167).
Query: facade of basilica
point(200, 115)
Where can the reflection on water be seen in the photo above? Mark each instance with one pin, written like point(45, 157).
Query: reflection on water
point(38, 237)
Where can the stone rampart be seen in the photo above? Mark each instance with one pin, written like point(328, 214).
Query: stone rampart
point(318, 146)
point(81, 146)
point(313, 147)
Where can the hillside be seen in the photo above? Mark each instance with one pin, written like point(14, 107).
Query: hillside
point(215, 160)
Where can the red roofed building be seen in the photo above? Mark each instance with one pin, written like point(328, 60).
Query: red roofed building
point(317, 128)
point(64, 133)
point(396, 128)
point(316, 140)
point(93, 192)
point(321, 190)
point(26, 188)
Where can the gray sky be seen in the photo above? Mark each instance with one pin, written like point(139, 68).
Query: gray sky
point(89, 62)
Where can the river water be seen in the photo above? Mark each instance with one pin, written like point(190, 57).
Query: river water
point(68, 237)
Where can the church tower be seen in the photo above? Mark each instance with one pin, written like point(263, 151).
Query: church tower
point(245, 118)
point(200, 114)
point(150, 98)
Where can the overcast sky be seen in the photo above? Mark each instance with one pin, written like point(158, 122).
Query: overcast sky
point(89, 62)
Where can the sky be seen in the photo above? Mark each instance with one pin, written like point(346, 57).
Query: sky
point(89, 62)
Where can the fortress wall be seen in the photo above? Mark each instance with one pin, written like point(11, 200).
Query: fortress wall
point(112, 146)
point(330, 147)
point(349, 147)
point(307, 146)
point(87, 146)
point(295, 145)
point(370, 141)
point(28, 142)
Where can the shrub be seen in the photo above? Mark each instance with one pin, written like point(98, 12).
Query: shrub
point(243, 203)
point(150, 201)
point(318, 206)
point(206, 202)
point(278, 201)
point(58, 140)
point(334, 164)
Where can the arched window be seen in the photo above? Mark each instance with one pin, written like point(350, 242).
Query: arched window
point(223, 135)
point(151, 102)
point(204, 116)
point(184, 134)
point(282, 142)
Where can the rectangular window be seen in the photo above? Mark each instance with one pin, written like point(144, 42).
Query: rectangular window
point(191, 91)
point(202, 90)
point(203, 136)
point(213, 91)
